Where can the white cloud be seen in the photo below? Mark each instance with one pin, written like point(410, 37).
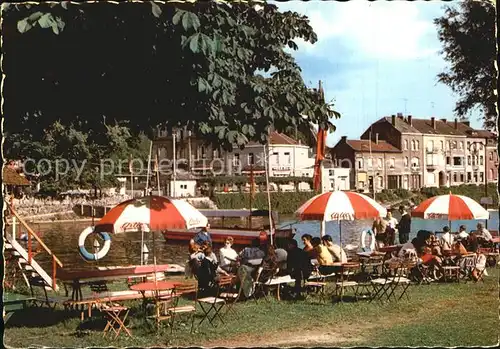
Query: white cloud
point(380, 30)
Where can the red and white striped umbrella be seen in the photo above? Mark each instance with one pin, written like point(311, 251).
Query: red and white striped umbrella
point(340, 205)
point(450, 207)
point(151, 213)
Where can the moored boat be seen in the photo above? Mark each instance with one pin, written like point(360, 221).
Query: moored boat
point(222, 226)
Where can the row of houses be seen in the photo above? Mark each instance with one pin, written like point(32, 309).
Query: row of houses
point(394, 152)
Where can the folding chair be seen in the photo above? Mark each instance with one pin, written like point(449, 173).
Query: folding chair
point(401, 279)
point(214, 304)
point(347, 270)
point(381, 287)
point(116, 315)
point(317, 288)
point(178, 292)
point(229, 294)
point(262, 287)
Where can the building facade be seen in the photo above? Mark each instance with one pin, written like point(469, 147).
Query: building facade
point(424, 153)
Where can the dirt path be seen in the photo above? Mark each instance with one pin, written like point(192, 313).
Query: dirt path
point(336, 335)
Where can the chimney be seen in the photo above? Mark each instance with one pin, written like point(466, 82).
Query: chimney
point(456, 124)
point(376, 138)
point(444, 120)
point(400, 115)
point(409, 120)
point(433, 122)
point(393, 121)
point(344, 139)
point(466, 123)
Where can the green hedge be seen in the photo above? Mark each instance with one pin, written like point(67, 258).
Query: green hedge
point(283, 202)
point(475, 192)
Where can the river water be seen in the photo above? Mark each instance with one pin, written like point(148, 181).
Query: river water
point(62, 239)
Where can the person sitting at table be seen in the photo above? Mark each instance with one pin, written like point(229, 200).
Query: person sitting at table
point(210, 255)
point(430, 260)
point(228, 256)
point(298, 266)
point(268, 267)
point(434, 244)
point(252, 252)
point(202, 236)
point(306, 240)
point(483, 235)
point(462, 233)
point(337, 252)
point(479, 263)
point(407, 248)
point(281, 257)
point(447, 240)
point(458, 249)
point(323, 256)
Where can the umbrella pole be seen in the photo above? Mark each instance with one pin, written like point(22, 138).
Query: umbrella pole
point(340, 232)
point(322, 229)
point(142, 247)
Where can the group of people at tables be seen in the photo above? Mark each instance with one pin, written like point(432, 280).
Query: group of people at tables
point(448, 248)
point(261, 261)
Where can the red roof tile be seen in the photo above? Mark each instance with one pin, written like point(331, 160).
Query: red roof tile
point(364, 146)
point(11, 177)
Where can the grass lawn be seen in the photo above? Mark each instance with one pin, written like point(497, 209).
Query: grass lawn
point(436, 315)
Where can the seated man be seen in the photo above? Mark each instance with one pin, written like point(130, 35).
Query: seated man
point(446, 241)
point(324, 257)
point(202, 236)
point(337, 252)
point(298, 265)
point(462, 233)
point(483, 235)
point(252, 252)
point(408, 247)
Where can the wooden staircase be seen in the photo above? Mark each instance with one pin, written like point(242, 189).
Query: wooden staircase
point(22, 258)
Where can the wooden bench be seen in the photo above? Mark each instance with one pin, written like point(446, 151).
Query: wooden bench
point(117, 296)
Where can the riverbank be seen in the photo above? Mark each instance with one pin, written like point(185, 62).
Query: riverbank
point(447, 315)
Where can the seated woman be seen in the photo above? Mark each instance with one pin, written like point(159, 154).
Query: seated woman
point(308, 247)
point(268, 267)
point(337, 252)
point(479, 264)
point(430, 260)
point(228, 256)
point(208, 270)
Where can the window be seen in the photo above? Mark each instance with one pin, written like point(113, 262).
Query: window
point(480, 146)
point(491, 155)
point(360, 164)
point(361, 184)
point(469, 160)
point(251, 159)
point(287, 157)
point(413, 145)
point(414, 162)
point(430, 145)
point(461, 145)
point(448, 145)
point(380, 182)
point(370, 162)
point(469, 177)
point(429, 159)
point(380, 163)
point(418, 145)
point(236, 159)
point(454, 145)
point(448, 160)
point(475, 177)
point(392, 163)
point(406, 161)
point(462, 177)
point(481, 160)
point(455, 177)
point(481, 177)
point(442, 145)
point(406, 144)
point(276, 157)
point(457, 161)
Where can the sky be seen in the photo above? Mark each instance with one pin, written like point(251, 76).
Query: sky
point(375, 59)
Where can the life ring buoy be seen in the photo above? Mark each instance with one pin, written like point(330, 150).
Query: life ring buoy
point(372, 240)
point(93, 256)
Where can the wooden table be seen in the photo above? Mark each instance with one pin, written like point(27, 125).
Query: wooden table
point(13, 302)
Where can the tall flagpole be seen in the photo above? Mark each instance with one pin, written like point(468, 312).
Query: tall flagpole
point(266, 166)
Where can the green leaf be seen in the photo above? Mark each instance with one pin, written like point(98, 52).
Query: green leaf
point(193, 42)
point(64, 4)
point(178, 16)
point(23, 26)
point(35, 16)
point(46, 21)
point(155, 9)
point(190, 20)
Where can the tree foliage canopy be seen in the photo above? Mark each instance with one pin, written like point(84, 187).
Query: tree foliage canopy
point(467, 32)
point(219, 68)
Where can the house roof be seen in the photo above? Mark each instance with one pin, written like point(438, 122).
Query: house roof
point(401, 125)
point(363, 145)
point(278, 139)
point(442, 128)
point(11, 177)
point(480, 134)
